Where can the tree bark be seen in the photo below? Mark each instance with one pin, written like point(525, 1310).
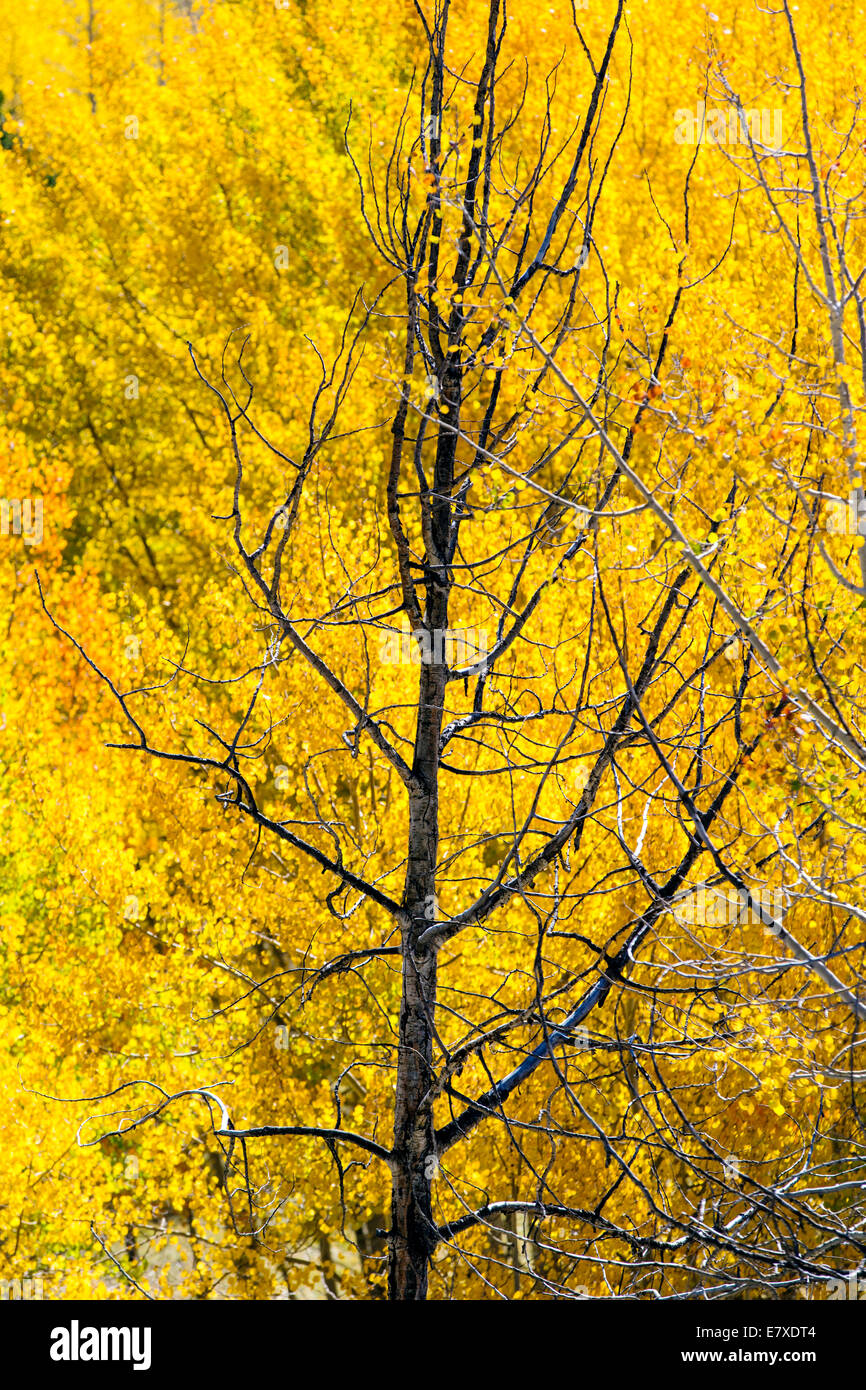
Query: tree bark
point(412, 1237)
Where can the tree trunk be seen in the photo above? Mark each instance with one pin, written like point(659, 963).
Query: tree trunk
point(412, 1236)
point(412, 1239)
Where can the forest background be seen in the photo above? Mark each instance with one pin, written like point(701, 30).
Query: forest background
point(180, 179)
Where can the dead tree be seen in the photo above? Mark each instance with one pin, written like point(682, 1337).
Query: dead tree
point(507, 477)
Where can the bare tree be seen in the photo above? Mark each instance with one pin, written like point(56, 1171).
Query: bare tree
point(537, 702)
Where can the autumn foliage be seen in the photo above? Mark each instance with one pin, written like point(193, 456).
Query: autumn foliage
point(240, 230)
